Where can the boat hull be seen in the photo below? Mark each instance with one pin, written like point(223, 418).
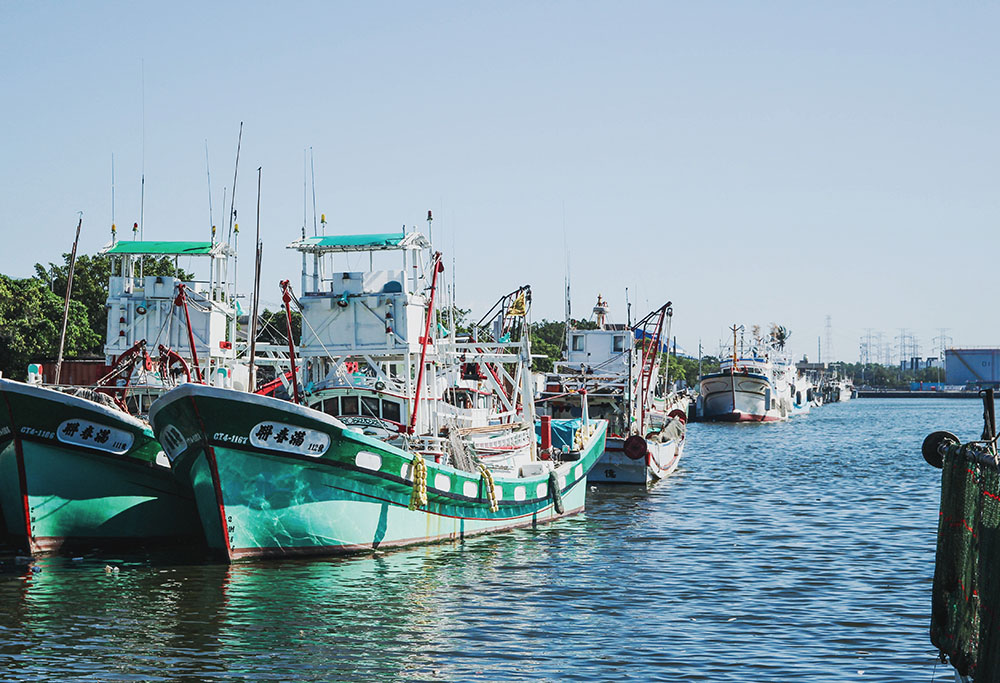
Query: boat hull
point(62, 486)
point(259, 498)
point(741, 398)
point(616, 468)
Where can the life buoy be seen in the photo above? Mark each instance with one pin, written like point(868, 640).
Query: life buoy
point(678, 414)
point(635, 447)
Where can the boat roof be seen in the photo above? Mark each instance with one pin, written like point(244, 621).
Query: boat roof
point(164, 248)
point(385, 241)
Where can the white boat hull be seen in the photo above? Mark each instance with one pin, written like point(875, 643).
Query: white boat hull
point(615, 467)
point(742, 398)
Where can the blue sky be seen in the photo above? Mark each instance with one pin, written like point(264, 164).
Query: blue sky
point(751, 162)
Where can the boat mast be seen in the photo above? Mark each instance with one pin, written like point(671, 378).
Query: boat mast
point(317, 259)
point(631, 355)
point(436, 267)
point(69, 291)
point(252, 383)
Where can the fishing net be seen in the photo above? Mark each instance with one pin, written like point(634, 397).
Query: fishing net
point(461, 459)
point(91, 395)
point(965, 624)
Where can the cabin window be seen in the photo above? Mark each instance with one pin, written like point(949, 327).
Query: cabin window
point(349, 405)
point(618, 345)
point(331, 406)
point(390, 411)
point(578, 342)
point(369, 406)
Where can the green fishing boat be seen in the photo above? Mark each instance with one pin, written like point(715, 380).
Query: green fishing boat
point(78, 465)
point(74, 472)
point(398, 431)
point(275, 479)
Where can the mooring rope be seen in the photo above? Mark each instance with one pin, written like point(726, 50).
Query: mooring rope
point(418, 497)
point(490, 487)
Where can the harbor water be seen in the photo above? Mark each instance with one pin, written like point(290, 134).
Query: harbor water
point(795, 551)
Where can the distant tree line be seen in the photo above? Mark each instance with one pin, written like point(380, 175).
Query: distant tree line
point(886, 376)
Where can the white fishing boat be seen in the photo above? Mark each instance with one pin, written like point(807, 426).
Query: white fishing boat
point(839, 389)
point(752, 386)
point(617, 367)
point(804, 393)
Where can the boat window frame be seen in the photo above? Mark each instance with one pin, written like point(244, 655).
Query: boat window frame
point(344, 400)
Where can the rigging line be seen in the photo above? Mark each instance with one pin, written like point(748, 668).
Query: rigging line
point(112, 188)
point(305, 321)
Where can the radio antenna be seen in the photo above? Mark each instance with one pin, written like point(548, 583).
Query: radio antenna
point(232, 201)
point(208, 172)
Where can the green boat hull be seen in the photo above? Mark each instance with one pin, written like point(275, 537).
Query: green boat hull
point(265, 498)
point(74, 473)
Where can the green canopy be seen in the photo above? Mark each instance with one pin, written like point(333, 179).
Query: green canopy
point(372, 242)
point(160, 248)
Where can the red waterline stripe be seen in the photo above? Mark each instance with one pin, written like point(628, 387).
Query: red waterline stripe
point(210, 454)
point(22, 478)
point(213, 467)
point(22, 481)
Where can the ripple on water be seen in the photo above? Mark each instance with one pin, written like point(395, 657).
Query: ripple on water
point(798, 551)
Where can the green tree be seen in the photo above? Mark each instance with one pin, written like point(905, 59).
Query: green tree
point(272, 327)
point(461, 315)
point(30, 321)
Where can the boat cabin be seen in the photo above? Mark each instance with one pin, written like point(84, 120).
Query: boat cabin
point(603, 352)
point(350, 312)
point(142, 307)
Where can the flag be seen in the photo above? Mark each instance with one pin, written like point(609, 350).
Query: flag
point(519, 307)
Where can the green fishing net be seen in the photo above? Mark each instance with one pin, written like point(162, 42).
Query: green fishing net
point(965, 624)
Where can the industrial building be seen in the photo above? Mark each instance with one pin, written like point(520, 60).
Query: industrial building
point(975, 366)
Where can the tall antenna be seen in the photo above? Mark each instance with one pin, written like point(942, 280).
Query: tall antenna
point(208, 172)
point(312, 168)
point(142, 147)
point(232, 201)
point(317, 275)
point(252, 384)
point(566, 249)
point(114, 229)
point(829, 339)
point(305, 213)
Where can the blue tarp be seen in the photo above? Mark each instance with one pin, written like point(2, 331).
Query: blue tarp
point(562, 432)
